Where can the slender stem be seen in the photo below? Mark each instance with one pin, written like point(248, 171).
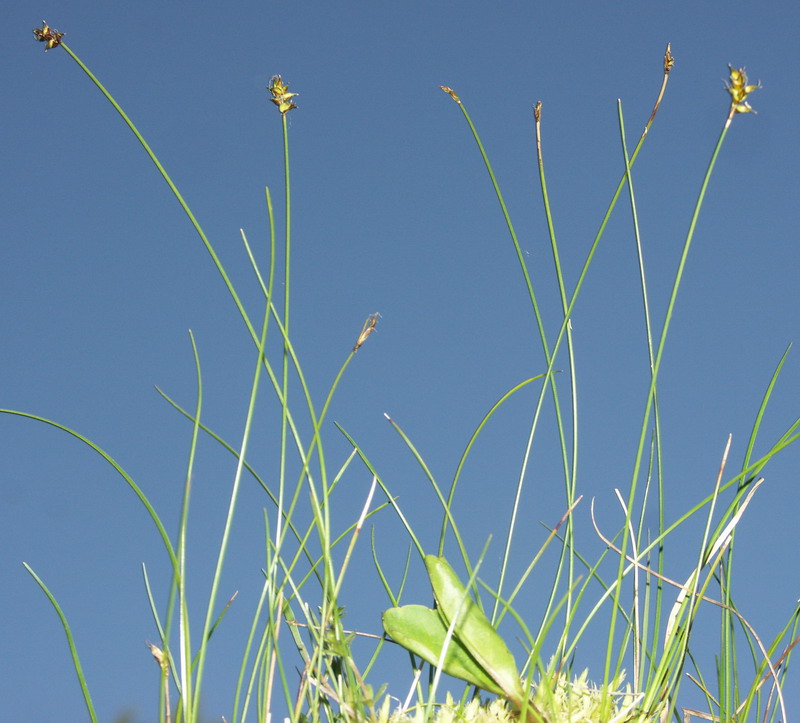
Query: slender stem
point(70, 641)
point(173, 188)
point(286, 290)
point(548, 360)
point(638, 640)
point(570, 476)
point(654, 377)
point(229, 519)
point(183, 607)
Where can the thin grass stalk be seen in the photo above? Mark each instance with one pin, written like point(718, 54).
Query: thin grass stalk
point(173, 188)
point(656, 415)
point(73, 650)
point(641, 536)
point(317, 630)
point(317, 422)
point(692, 598)
point(712, 557)
point(356, 532)
point(183, 607)
point(592, 576)
point(196, 225)
point(309, 660)
point(392, 500)
point(782, 664)
point(305, 457)
point(287, 252)
point(290, 525)
point(570, 477)
point(635, 626)
point(251, 635)
point(684, 641)
point(229, 520)
point(351, 689)
point(535, 643)
point(164, 711)
point(266, 658)
point(445, 503)
point(462, 461)
point(548, 359)
point(728, 637)
point(128, 479)
point(646, 618)
point(285, 328)
point(322, 523)
point(668, 63)
point(264, 644)
point(324, 555)
point(650, 393)
point(529, 569)
point(608, 592)
point(394, 599)
point(162, 632)
point(303, 548)
point(602, 227)
point(320, 508)
point(721, 541)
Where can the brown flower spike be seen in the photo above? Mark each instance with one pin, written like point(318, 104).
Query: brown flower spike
point(669, 60)
point(48, 35)
point(739, 90)
point(367, 329)
point(281, 95)
point(451, 93)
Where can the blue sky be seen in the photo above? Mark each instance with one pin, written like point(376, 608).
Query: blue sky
point(102, 276)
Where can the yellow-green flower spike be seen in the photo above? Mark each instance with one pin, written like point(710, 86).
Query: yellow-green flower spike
point(48, 35)
point(280, 94)
point(739, 90)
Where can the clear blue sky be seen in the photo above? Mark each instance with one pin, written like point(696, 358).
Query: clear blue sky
point(102, 276)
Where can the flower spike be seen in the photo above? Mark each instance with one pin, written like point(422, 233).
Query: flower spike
point(281, 95)
point(669, 60)
point(739, 90)
point(451, 93)
point(48, 35)
point(367, 329)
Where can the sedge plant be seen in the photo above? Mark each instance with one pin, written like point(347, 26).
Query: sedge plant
point(298, 656)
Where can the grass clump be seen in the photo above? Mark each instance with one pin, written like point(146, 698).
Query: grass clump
point(303, 578)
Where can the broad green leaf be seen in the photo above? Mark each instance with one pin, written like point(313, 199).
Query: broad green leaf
point(422, 631)
point(473, 629)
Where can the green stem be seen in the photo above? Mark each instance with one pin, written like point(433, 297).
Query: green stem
point(286, 290)
point(570, 476)
point(185, 637)
point(173, 188)
point(70, 641)
point(654, 377)
point(548, 359)
point(229, 520)
point(638, 639)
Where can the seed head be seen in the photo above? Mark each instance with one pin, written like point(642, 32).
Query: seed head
point(739, 90)
point(48, 35)
point(281, 95)
point(451, 93)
